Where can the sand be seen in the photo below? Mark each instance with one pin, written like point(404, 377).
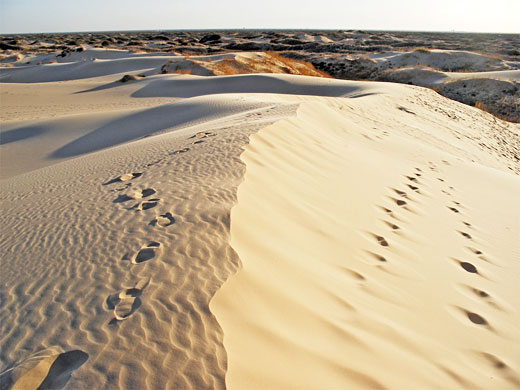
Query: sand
point(254, 231)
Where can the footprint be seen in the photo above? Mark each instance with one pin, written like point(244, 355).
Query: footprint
point(122, 198)
point(475, 318)
point(123, 178)
point(380, 258)
point(413, 188)
point(147, 204)
point(146, 253)
point(163, 220)
point(474, 251)
point(179, 151)
point(202, 134)
point(466, 235)
point(393, 226)
point(126, 302)
point(388, 211)
point(468, 267)
point(381, 240)
point(139, 194)
point(354, 274)
point(399, 202)
point(406, 110)
point(453, 209)
point(134, 195)
point(480, 293)
point(400, 193)
point(414, 179)
point(125, 187)
point(466, 223)
point(503, 369)
point(198, 142)
point(154, 162)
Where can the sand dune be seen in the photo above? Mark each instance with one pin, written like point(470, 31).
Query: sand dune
point(376, 259)
point(254, 231)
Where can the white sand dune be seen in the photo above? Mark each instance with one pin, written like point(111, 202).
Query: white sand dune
point(447, 60)
point(376, 258)
point(254, 231)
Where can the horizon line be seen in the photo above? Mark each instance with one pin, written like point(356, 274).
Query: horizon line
point(259, 29)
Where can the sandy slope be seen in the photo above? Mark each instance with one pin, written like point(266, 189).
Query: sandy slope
point(82, 251)
point(117, 232)
point(380, 256)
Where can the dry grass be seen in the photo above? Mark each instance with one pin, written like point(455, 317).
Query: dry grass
point(262, 62)
point(224, 67)
point(509, 118)
point(297, 66)
point(183, 71)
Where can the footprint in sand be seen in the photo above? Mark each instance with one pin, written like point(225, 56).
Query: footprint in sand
point(468, 267)
point(453, 209)
point(146, 253)
point(466, 235)
point(474, 251)
point(354, 274)
point(380, 258)
point(126, 302)
point(502, 369)
point(124, 178)
point(154, 162)
point(414, 188)
point(163, 220)
point(391, 225)
point(400, 193)
point(381, 240)
point(134, 195)
point(184, 150)
point(399, 202)
point(475, 318)
point(146, 204)
point(373, 259)
point(202, 134)
point(480, 293)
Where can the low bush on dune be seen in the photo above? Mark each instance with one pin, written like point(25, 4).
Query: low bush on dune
point(233, 64)
point(295, 66)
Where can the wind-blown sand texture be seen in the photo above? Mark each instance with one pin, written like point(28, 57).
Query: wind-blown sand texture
point(253, 231)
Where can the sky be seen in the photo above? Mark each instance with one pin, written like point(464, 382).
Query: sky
point(33, 16)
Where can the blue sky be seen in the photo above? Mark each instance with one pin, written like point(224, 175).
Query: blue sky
point(18, 16)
